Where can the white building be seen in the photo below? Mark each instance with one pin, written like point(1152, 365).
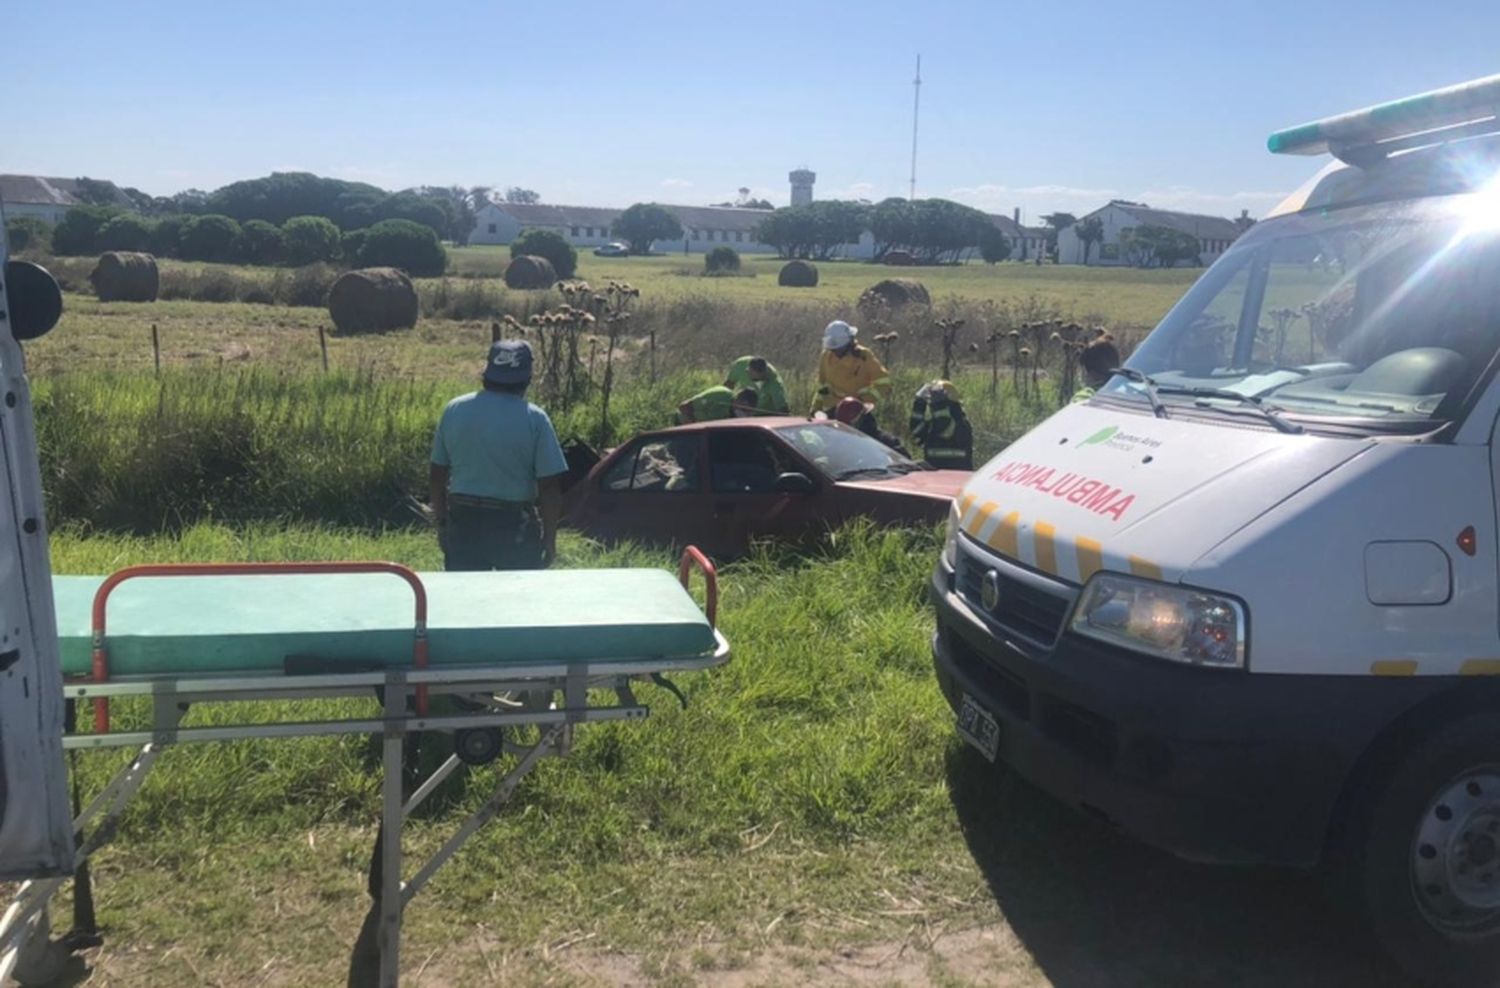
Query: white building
point(704, 227)
point(1213, 233)
point(47, 199)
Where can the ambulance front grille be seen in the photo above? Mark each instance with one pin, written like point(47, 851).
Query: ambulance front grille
point(1031, 604)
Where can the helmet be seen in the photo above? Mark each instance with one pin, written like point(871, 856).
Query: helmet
point(850, 410)
point(941, 390)
point(838, 334)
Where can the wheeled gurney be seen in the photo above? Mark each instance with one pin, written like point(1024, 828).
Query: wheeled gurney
point(498, 651)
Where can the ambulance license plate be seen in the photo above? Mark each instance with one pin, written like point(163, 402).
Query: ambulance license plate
point(976, 726)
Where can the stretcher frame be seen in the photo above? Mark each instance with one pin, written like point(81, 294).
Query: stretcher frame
point(25, 930)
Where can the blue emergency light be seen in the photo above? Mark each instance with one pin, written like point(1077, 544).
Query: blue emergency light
point(1468, 109)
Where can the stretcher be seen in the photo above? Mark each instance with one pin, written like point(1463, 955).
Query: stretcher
point(483, 659)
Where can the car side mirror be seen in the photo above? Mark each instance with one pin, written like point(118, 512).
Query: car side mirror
point(794, 483)
point(33, 297)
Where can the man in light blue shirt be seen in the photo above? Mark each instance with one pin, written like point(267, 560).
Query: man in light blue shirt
point(495, 458)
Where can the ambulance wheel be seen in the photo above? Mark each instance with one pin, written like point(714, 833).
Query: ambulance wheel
point(1429, 864)
point(477, 745)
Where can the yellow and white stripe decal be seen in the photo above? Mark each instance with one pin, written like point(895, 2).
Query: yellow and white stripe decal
point(1393, 667)
point(1037, 543)
point(1480, 667)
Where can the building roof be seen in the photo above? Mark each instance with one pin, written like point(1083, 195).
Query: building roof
point(41, 191)
point(1197, 224)
point(1008, 226)
point(691, 217)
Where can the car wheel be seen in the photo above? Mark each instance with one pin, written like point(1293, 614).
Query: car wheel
point(1429, 861)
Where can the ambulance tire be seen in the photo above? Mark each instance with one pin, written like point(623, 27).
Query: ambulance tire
point(1430, 854)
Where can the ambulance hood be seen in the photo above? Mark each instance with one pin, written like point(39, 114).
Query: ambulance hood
point(1094, 487)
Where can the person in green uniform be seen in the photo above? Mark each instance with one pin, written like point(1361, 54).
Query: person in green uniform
point(758, 373)
point(495, 462)
point(718, 402)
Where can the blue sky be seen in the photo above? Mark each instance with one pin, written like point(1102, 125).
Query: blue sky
point(1042, 105)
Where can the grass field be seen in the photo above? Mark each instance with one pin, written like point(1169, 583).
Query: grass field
point(809, 818)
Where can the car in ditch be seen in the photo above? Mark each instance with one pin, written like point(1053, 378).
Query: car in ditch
point(723, 485)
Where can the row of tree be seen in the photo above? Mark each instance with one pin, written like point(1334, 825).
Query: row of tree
point(449, 210)
point(215, 237)
point(926, 231)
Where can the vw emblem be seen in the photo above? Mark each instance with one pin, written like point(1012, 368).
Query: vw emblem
point(989, 590)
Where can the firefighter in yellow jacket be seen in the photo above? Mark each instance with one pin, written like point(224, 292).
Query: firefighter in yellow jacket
point(848, 370)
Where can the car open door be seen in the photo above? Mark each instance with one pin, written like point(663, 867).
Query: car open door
point(36, 828)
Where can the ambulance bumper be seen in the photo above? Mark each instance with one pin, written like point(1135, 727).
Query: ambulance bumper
point(1209, 765)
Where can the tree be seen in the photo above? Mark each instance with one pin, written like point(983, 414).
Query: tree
point(993, 245)
point(166, 238)
point(1056, 223)
point(125, 232)
point(1089, 232)
point(96, 192)
point(723, 259)
point(1159, 246)
point(645, 223)
point(259, 243)
point(28, 233)
point(525, 197)
point(78, 230)
point(933, 231)
point(310, 239)
point(209, 238)
point(548, 244)
point(412, 247)
point(817, 230)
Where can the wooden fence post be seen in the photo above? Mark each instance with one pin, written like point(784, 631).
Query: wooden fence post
point(653, 356)
point(494, 332)
point(323, 346)
point(156, 349)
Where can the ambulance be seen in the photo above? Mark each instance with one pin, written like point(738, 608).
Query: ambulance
point(1243, 602)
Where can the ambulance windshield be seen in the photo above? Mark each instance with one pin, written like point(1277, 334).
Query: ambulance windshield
point(1388, 315)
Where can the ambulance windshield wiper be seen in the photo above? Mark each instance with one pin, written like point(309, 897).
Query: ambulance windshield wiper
point(1270, 412)
point(1148, 387)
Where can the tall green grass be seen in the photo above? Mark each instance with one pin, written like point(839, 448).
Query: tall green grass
point(139, 453)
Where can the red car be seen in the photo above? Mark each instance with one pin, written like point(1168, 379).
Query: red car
point(719, 485)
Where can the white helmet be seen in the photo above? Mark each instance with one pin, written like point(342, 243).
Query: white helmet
point(839, 334)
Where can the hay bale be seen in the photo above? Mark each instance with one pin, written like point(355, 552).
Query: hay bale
point(125, 276)
point(530, 272)
point(899, 258)
point(893, 293)
point(372, 300)
point(797, 274)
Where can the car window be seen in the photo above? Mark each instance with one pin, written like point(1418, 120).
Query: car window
point(742, 462)
point(656, 465)
point(843, 452)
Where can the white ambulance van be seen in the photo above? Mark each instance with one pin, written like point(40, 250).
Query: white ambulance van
point(36, 827)
point(1243, 603)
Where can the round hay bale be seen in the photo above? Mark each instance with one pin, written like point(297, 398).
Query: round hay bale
point(893, 293)
point(372, 300)
point(125, 276)
point(899, 258)
point(797, 274)
point(530, 272)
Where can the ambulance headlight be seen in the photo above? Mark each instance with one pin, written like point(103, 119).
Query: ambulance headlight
point(1178, 623)
point(950, 538)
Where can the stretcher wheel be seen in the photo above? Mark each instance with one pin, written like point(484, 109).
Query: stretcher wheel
point(477, 745)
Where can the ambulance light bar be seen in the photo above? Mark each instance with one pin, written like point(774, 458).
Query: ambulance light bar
point(1465, 110)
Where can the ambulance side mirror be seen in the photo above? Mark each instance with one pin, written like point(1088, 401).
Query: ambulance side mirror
point(33, 299)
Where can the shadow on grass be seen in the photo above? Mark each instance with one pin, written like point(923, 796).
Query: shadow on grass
point(1095, 908)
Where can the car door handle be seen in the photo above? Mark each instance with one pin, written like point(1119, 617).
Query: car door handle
point(10, 658)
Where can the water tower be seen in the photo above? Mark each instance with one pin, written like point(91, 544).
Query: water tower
point(802, 183)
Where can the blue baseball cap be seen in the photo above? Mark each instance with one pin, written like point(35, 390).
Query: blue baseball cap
point(509, 363)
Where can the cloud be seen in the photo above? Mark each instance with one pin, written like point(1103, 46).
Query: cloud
point(676, 183)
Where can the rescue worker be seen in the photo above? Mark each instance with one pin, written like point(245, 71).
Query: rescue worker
point(852, 411)
point(758, 373)
point(1097, 360)
point(718, 402)
point(848, 370)
point(495, 457)
point(939, 424)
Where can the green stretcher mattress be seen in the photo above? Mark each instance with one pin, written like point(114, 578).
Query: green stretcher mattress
point(188, 625)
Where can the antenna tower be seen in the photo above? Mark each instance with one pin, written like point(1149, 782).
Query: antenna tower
point(916, 106)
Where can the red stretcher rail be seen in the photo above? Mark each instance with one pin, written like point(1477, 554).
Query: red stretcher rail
point(693, 557)
point(101, 600)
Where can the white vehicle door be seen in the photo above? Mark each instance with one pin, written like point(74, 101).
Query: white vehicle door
point(36, 828)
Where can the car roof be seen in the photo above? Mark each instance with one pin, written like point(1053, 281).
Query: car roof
point(749, 422)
